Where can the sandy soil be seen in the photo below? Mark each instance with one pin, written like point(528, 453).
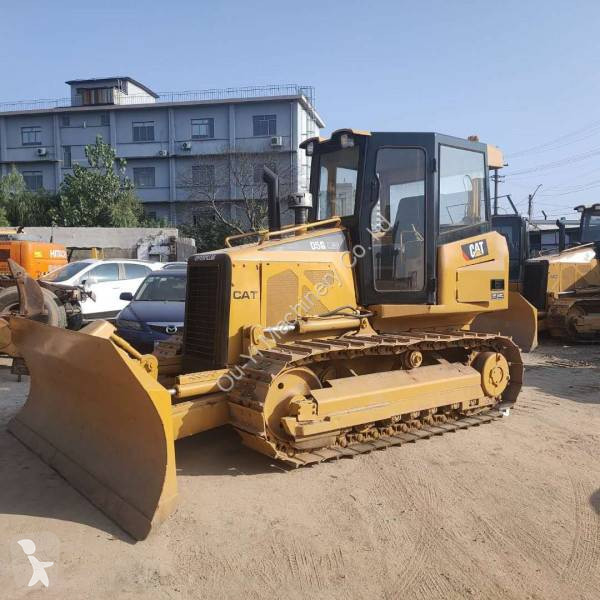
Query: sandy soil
point(506, 510)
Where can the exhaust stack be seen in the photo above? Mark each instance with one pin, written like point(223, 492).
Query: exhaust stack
point(272, 181)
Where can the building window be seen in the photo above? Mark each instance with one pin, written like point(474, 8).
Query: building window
point(203, 128)
point(203, 175)
point(31, 136)
point(33, 180)
point(104, 119)
point(66, 157)
point(65, 120)
point(143, 131)
point(95, 96)
point(265, 124)
point(258, 171)
point(143, 177)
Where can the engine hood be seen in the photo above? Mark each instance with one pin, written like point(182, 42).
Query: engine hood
point(577, 255)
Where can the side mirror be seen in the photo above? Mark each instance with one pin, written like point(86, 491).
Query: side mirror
point(87, 283)
point(127, 296)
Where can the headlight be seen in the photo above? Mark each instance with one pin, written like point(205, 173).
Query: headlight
point(128, 324)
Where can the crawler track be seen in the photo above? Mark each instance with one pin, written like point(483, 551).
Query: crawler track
point(397, 439)
point(255, 377)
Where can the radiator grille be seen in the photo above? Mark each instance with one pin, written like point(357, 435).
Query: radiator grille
point(535, 283)
point(282, 295)
point(205, 338)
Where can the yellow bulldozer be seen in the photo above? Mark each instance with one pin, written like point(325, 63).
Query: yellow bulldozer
point(563, 285)
point(346, 332)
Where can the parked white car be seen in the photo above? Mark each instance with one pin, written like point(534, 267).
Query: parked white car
point(106, 279)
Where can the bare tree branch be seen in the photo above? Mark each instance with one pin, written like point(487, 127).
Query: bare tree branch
point(212, 180)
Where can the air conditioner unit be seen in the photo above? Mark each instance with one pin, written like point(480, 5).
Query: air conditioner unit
point(186, 146)
point(163, 153)
point(41, 151)
point(276, 141)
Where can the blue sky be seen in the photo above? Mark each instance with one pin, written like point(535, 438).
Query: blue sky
point(522, 75)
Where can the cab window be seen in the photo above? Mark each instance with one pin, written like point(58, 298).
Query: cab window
point(463, 200)
point(337, 182)
point(398, 220)
point(591, 227)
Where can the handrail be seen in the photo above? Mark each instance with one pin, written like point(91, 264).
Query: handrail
point(302, 228)
point(266, 235)
point(239, 236)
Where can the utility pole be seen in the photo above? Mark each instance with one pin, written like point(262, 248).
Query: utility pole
point(530, 202)
point(495, 177)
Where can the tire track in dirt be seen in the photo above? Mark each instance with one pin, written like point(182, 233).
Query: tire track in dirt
point(434, 547)
point(408, 487)
point(584, 561)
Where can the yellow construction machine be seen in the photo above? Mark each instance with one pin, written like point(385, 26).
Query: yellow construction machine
point(565, 286)
point(344, 333)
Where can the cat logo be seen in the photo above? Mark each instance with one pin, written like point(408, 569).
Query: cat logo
point(244, 295)
point(475, 250)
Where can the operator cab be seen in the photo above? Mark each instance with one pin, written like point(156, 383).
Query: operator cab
point(590, 223)
point(400, 195)
point(514, 230)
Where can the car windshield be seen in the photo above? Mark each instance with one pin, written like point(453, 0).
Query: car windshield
point(66, 272)
point(162, 288)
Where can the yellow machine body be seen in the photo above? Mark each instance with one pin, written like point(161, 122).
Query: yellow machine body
point(297, 365)
point(572, 296)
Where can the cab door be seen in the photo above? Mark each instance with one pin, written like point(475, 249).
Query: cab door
point(395, 221)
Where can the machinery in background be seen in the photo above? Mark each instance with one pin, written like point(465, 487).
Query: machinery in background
point(345, 333)
point(565, 286)
point(21, 257)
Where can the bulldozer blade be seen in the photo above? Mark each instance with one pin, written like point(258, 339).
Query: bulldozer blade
point(100, 420)
point(519, 321)
point(31, 297)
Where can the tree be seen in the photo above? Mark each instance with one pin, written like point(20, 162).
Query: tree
point(209, 233)
point(20, 206)
point(99, 195)
point(229, 191)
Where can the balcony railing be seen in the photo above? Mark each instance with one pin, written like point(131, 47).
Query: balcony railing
point(264, 91)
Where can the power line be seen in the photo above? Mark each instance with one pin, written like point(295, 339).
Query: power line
point(561, 141)
point(569, 160)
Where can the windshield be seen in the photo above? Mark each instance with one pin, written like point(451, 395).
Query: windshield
point(337, 182)
point(66, 272)
point(590, 231)
point(162, 288)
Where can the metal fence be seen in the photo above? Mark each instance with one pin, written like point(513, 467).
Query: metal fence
point(264, 91)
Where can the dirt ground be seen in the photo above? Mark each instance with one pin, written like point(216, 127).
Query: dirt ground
point(505, 510)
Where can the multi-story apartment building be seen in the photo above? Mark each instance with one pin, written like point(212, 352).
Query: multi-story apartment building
point(182, 149)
